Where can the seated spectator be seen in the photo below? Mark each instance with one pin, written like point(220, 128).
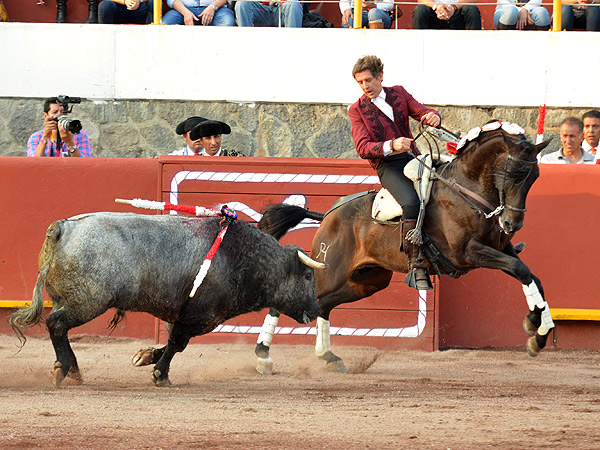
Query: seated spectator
point(199, 12)
point(529, 16)
point(571, 152)
point(44, 142)
point(61, 11)
point(251, 14)
point(209, 132)
point(193, 147)
point(591, 131)
point(380, 12)
point(450, 14)
point(580, 14)
point(126, 11)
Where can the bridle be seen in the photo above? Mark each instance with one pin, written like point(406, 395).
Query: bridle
point(469, 195)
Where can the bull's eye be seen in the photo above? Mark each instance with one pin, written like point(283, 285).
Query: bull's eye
point(308, 276)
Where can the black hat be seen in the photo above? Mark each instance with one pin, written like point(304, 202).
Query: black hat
point(209, 128)
point(188, 124)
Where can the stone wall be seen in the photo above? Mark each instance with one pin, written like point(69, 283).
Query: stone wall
point(146, 128)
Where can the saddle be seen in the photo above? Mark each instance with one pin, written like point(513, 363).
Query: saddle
point(385, 206)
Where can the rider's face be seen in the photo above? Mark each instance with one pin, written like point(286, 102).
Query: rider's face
point(369, 84)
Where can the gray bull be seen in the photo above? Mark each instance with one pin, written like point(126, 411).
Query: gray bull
point(130, 262)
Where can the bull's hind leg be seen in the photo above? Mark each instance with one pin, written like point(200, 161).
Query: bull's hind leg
point(264, 363)
point(66, 363)
point(178, 341)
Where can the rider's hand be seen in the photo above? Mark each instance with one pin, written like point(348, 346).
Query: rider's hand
point(431, 119)
point(401, 145)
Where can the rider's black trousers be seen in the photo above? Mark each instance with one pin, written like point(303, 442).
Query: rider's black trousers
point(391, 175)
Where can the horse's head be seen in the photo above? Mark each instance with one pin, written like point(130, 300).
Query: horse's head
point(516, 171)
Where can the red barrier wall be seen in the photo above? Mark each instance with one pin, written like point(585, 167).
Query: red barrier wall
point(483, 308)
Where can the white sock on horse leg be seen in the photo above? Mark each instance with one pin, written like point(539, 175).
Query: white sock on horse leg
point(268, 330)
point(534, 298)
point(323, 344)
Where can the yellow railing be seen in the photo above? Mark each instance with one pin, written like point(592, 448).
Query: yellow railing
point(575, 314)
point(20, 303)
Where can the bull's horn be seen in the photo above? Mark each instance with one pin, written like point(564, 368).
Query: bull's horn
point(310, 262)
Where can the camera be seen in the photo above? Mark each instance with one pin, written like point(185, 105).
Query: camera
point(71, 125)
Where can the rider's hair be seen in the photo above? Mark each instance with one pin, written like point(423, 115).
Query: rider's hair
point(573, 121)
point(593, 114)
point(369, 62)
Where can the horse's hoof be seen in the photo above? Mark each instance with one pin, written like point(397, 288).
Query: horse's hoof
point(75, 375)
point(159, 381)
point(143, 357)
point(265, 365)
point(337, 366)
point(57, 374)
point(532, 346)
point(529, 328)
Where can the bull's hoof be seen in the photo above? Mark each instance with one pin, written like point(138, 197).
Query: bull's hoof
point(264, 366)
point(143, 357)
point(159, 380)
point(75, 376)
point(529, 328)
point(337, 366)
point(532, 346)
point(57, 374)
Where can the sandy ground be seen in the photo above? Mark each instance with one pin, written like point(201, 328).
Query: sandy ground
point(457, 399)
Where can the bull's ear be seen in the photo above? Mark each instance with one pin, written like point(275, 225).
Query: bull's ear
point(542, 146)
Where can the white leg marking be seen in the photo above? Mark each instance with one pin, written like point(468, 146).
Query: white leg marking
point(323, 344)
point(268, 329)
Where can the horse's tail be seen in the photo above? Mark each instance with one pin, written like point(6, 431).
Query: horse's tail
point(278, 219)
point(33, 314)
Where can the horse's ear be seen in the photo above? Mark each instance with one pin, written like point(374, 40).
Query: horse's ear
point(542, 146)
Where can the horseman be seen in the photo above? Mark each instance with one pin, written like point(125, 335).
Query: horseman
point(381, 134)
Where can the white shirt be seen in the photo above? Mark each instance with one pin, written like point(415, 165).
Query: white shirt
point(380, 4)
point(385, 108)
point(185, 151)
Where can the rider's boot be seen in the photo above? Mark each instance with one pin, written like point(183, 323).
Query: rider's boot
point(418, 275)
point(61, 11)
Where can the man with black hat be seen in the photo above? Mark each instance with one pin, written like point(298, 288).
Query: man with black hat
point(193, 147)
point(209, 133)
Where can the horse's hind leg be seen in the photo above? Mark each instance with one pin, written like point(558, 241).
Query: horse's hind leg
point(264, 364)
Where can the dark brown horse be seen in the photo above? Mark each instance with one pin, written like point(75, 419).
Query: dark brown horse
point(477, 204)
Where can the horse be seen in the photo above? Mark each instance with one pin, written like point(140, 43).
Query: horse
point(477, 205)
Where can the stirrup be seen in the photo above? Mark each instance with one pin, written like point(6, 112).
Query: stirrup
point(421, 284)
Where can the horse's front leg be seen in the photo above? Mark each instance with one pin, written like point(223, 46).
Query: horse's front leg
point(538, 322)
point(264, 364)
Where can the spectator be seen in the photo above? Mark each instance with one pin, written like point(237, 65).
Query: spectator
point(591, 131)
point(209, 132)
point(529, 16)
point(452, 14)
point(288, 13)
point(199, 12)
point(571, 152)
point(381, 134)
point(193, 147)
point(61, 11)
point(380, 13)
point(580, 14)
point(43, 143)
point(126, 11)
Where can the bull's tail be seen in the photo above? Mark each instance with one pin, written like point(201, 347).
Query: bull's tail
point(33, 314)
point(278, 219)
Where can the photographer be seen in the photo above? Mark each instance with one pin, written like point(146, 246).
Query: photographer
point(44, 142)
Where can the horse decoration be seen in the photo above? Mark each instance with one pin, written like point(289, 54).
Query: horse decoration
point(477, 204)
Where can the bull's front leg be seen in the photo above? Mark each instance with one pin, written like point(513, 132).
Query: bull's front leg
point(538, 322)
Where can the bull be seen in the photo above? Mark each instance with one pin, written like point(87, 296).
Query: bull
point(131, 262)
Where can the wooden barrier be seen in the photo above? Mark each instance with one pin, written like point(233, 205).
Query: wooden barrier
point(483, 308)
